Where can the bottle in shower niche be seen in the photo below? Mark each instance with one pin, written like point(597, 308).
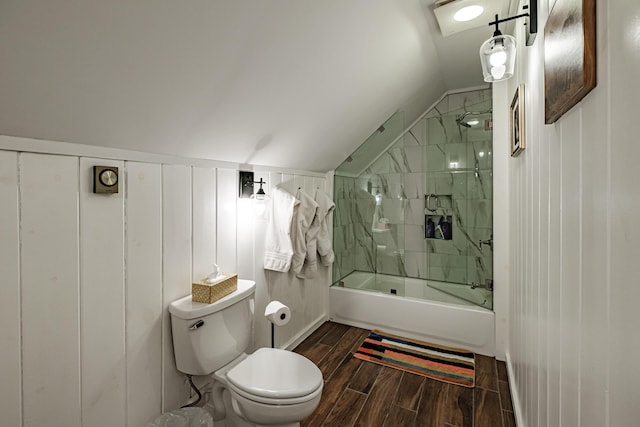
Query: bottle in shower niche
point(429, 228)
point(446, 230)
point(443, 229)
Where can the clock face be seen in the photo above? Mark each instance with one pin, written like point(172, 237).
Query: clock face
point(108, 178)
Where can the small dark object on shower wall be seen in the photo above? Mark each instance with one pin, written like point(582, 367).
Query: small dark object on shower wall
point(442, 231)
point(445, 227)
point(429, 229)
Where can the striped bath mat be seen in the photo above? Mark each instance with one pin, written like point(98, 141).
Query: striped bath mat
point(447, 364)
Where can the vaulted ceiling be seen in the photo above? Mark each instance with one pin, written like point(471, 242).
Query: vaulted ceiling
point(287, 83)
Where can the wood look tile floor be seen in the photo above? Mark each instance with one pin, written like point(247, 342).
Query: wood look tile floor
point(364, 394)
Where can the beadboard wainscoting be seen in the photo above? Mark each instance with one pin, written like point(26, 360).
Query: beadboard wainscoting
point(86, 278)
point(573, 239)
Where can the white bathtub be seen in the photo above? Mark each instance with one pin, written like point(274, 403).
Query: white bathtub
point(422, 312)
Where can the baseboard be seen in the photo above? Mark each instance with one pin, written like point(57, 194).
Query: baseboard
point(515, 396)
point(293, 342)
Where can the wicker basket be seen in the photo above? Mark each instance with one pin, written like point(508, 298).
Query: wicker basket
point(211, 292)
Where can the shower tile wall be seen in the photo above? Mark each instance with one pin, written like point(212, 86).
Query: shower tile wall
point(380, 214)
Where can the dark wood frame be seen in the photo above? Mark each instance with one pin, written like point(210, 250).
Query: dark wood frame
point(569, 56)
point(517, 122)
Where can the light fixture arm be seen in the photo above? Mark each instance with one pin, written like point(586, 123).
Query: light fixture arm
point(500, 21)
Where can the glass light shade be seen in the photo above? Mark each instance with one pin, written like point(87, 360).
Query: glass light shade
point(498, 58)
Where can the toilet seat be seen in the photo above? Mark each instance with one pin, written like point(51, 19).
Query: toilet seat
point(275, 376)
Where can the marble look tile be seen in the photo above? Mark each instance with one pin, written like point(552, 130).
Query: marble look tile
point(417, 135)
point(363, 212)
point(414, 211)
point(456, 157)
point(480, 187)
point(479, 213)
point(381, 165)
point(479, 269)
point(393, 210)
point(414, 158)
point(436, 132)
point(480, 153)
point(414, 185)
point(455, 133)
point(446, 261)
point(467, 101)
point(435, 158)
point(442, 247)
point(415, 264)
point(391, 186)
point(414, 238)
point(459, 190)
point(390, 264)
point(440, 183)
point(364, 259)
point(398, 162)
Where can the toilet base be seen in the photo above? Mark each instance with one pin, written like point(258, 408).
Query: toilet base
point(233, 420)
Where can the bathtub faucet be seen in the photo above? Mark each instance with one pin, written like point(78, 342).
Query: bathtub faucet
point(488, 242)
point(488, 285)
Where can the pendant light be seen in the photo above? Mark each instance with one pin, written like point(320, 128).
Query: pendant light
point(498, 54)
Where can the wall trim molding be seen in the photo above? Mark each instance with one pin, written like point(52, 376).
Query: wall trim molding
point(515, 399)
point(43, 146)
point(303, 335)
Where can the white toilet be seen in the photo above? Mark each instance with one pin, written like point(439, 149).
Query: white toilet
point(270, 387)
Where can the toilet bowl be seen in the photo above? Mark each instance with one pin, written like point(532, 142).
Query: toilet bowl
point(270, 387)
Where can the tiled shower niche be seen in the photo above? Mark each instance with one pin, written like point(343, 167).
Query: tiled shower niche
point(381, 196)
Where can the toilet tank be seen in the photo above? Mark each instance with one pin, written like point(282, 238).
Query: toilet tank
point(208, 336)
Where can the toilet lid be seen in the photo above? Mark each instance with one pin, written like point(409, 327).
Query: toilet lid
point(276, 374)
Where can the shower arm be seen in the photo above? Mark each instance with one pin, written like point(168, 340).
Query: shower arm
point(471, 113)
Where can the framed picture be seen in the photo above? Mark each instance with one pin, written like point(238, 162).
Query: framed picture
point(517, 122)
point(569, 56)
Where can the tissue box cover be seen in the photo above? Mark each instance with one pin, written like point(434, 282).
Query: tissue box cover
point(211, 292)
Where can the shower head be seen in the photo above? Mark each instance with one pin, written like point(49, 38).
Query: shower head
point(461, 119)
point(461, 123)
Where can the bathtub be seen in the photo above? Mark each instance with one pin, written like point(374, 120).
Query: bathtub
point(417, 310)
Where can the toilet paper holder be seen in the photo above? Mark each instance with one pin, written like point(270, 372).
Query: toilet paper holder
point(277, 314)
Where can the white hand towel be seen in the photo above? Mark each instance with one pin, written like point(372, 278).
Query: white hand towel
point(278, 249)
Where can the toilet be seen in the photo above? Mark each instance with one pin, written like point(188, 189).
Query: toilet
point(270, 387)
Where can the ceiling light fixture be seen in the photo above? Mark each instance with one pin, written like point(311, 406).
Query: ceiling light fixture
point(468, 13)
point(498, 54)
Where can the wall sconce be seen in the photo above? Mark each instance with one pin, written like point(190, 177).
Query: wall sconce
point(246, 187)
point(498, 54)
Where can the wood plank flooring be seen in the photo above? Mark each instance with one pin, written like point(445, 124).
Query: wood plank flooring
point(364, 394)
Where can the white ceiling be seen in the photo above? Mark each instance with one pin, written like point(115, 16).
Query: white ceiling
point(287, 83)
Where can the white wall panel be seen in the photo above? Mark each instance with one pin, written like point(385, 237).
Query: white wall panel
point(96, 275)
point(624, 204)
point(246, 220)
point(10, 366)
point(571, 272)
point(264, 278)
point(102, 300)
point(204, 221)
point(143, 292)
point(581, 322)
point(227, 191)
point(50, 290)
point(176, 267)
